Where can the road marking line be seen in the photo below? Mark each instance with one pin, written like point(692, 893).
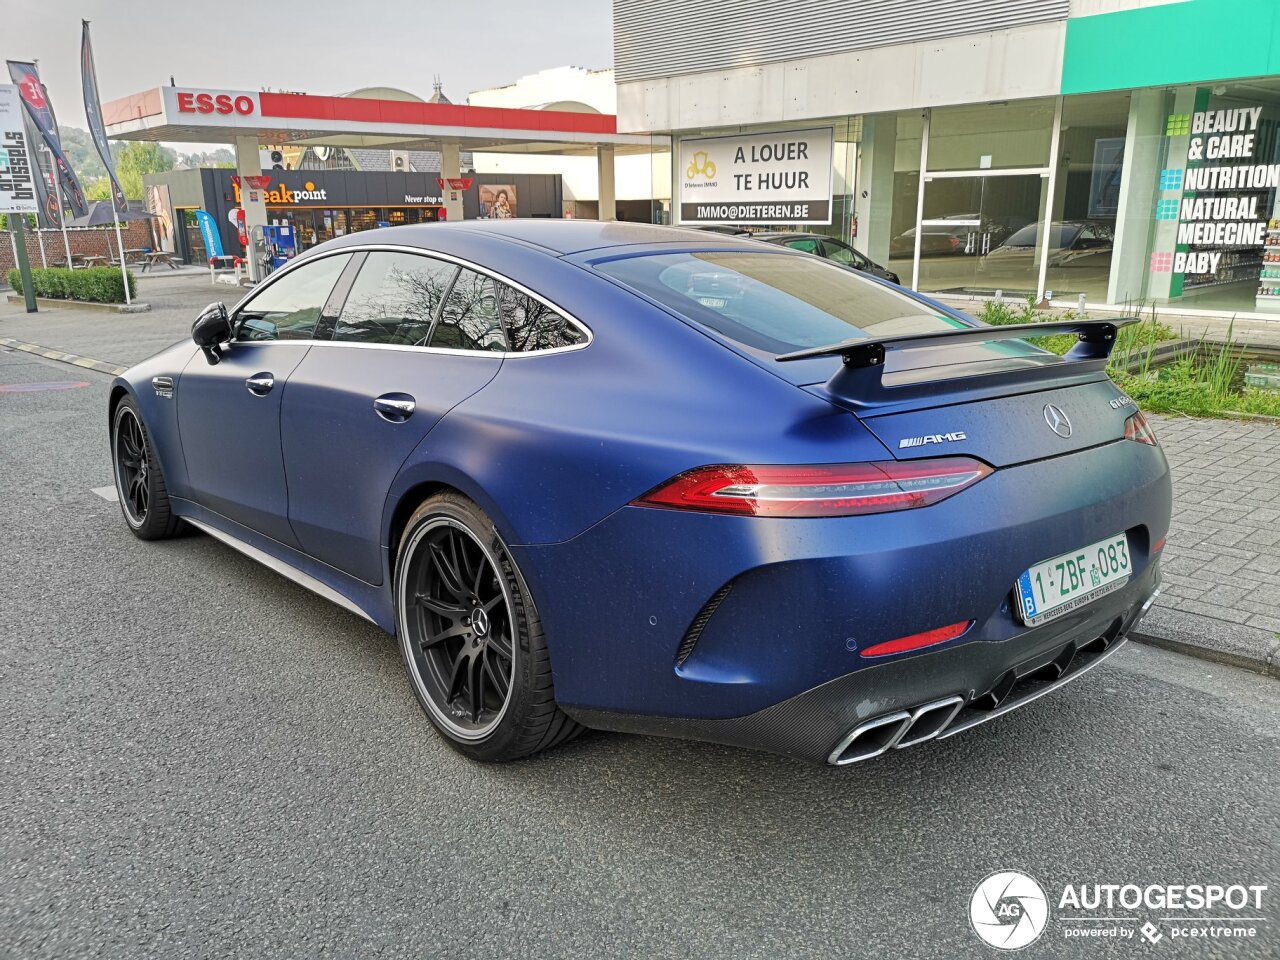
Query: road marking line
point(106, 493)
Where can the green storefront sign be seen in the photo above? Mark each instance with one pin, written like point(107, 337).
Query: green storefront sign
point(1193, 41)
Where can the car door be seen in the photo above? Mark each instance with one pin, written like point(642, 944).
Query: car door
point(415, 337)
point(229, 412)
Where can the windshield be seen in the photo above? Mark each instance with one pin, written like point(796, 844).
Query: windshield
point(775, 303)
point(1061, 236)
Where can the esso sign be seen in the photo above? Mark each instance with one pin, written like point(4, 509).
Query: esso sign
point(219, 103)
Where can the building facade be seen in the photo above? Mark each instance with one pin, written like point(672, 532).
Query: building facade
point(322, 204)
point(642, 183)
point(1119, 151)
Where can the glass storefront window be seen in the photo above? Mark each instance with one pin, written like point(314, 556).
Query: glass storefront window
point(978, 234)
point(1086, 202)
point(991, 136)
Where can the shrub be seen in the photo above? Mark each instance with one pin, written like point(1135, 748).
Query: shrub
point(95, 285)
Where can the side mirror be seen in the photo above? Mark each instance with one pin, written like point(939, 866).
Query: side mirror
point(212, 329)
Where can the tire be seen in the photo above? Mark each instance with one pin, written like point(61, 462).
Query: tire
point(470, 636)
point(144, 499)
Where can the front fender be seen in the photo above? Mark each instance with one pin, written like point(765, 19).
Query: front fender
point(159, 413)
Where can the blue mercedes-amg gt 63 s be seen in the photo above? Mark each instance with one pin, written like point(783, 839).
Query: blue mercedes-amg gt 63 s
point(636, 478)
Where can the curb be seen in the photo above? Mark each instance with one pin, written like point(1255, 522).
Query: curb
point(1269, 668)
point(87, 363)
point(84, 304)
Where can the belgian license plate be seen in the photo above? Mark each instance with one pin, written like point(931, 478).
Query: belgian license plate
point(1068, 582)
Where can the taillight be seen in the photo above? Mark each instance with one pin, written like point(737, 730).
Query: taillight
point(917, 641)
point(1137, 428)
point(817, 490)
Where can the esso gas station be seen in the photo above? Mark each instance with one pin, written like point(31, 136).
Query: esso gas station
point(247, 120)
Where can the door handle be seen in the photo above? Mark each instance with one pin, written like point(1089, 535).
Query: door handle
point(395, 407)
point(260, 384)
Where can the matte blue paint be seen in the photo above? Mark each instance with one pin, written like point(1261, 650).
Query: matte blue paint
point(555, 447)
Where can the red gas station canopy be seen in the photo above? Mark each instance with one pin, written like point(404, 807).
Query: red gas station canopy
point(220, 116)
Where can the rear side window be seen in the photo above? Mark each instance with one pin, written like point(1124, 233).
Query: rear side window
point(394, 300)
point(774, 302)
point(532, 325)
point(289, 308)
point(469, 319)
point(804, 245)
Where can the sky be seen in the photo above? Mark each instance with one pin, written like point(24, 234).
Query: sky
point(313, 46)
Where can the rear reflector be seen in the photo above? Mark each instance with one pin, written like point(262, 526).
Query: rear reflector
point(1137, 428)
point(917, 640)
point(1159, 546)
point(817, 490)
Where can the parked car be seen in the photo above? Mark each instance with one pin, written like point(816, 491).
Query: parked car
point(966, 237)
point(622, 476)
point(727, 229)
point(831, 249)
point(1072, 243)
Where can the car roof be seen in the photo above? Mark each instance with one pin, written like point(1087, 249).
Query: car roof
point(564, 237)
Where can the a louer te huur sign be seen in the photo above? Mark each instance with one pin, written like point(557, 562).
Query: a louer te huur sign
point(782, 177)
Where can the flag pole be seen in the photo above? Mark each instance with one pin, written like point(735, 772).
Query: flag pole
point(124, 268)
point(62, 211)
point(93, 113)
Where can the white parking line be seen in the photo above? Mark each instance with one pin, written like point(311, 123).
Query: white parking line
point(106, 493)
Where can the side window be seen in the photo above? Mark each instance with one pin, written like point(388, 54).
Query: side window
point(469, 319)
point(842, 254)
point(804, 245)
point(394, 299)
point(532, 325)
point(289, 308)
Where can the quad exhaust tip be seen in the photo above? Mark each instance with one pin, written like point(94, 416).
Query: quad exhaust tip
point(893, 731)
point(941, 718)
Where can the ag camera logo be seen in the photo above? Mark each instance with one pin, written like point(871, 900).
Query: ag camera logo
point(1008, 910)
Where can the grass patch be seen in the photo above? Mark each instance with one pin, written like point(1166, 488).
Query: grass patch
point(1208, 383)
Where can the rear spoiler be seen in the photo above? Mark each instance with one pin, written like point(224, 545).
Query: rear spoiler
point(859, 381)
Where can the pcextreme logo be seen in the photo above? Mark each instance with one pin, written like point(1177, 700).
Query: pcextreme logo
point(283, 195)
point(701, 165)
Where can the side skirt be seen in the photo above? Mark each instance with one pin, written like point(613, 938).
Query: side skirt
point(364, 600)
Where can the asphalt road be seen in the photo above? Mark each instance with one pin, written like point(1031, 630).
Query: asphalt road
point(201, 759)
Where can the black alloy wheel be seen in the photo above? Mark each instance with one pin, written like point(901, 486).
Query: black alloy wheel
point(470, 636)
point(131, 468)
point(460, 627)
point(140, 487)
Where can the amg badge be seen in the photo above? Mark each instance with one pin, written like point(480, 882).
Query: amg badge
point(934, 438)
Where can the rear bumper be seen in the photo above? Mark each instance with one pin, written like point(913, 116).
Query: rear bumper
point(863, 714)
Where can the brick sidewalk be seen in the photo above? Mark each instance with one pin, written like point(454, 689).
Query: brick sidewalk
point(1221, 590)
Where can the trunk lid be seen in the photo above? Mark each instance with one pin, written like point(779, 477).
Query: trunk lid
point(1009, 430)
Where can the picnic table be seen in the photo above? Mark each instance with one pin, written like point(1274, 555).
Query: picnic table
point(153, 258)
point(88, 259)
point(136, 254)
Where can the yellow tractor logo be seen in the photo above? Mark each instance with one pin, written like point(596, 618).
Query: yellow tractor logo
point(701, 164)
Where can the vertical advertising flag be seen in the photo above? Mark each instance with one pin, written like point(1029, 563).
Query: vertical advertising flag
point(93, 110)
point(17, 168)
point(46, 189)
point(41, 113)
point(209, 233)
